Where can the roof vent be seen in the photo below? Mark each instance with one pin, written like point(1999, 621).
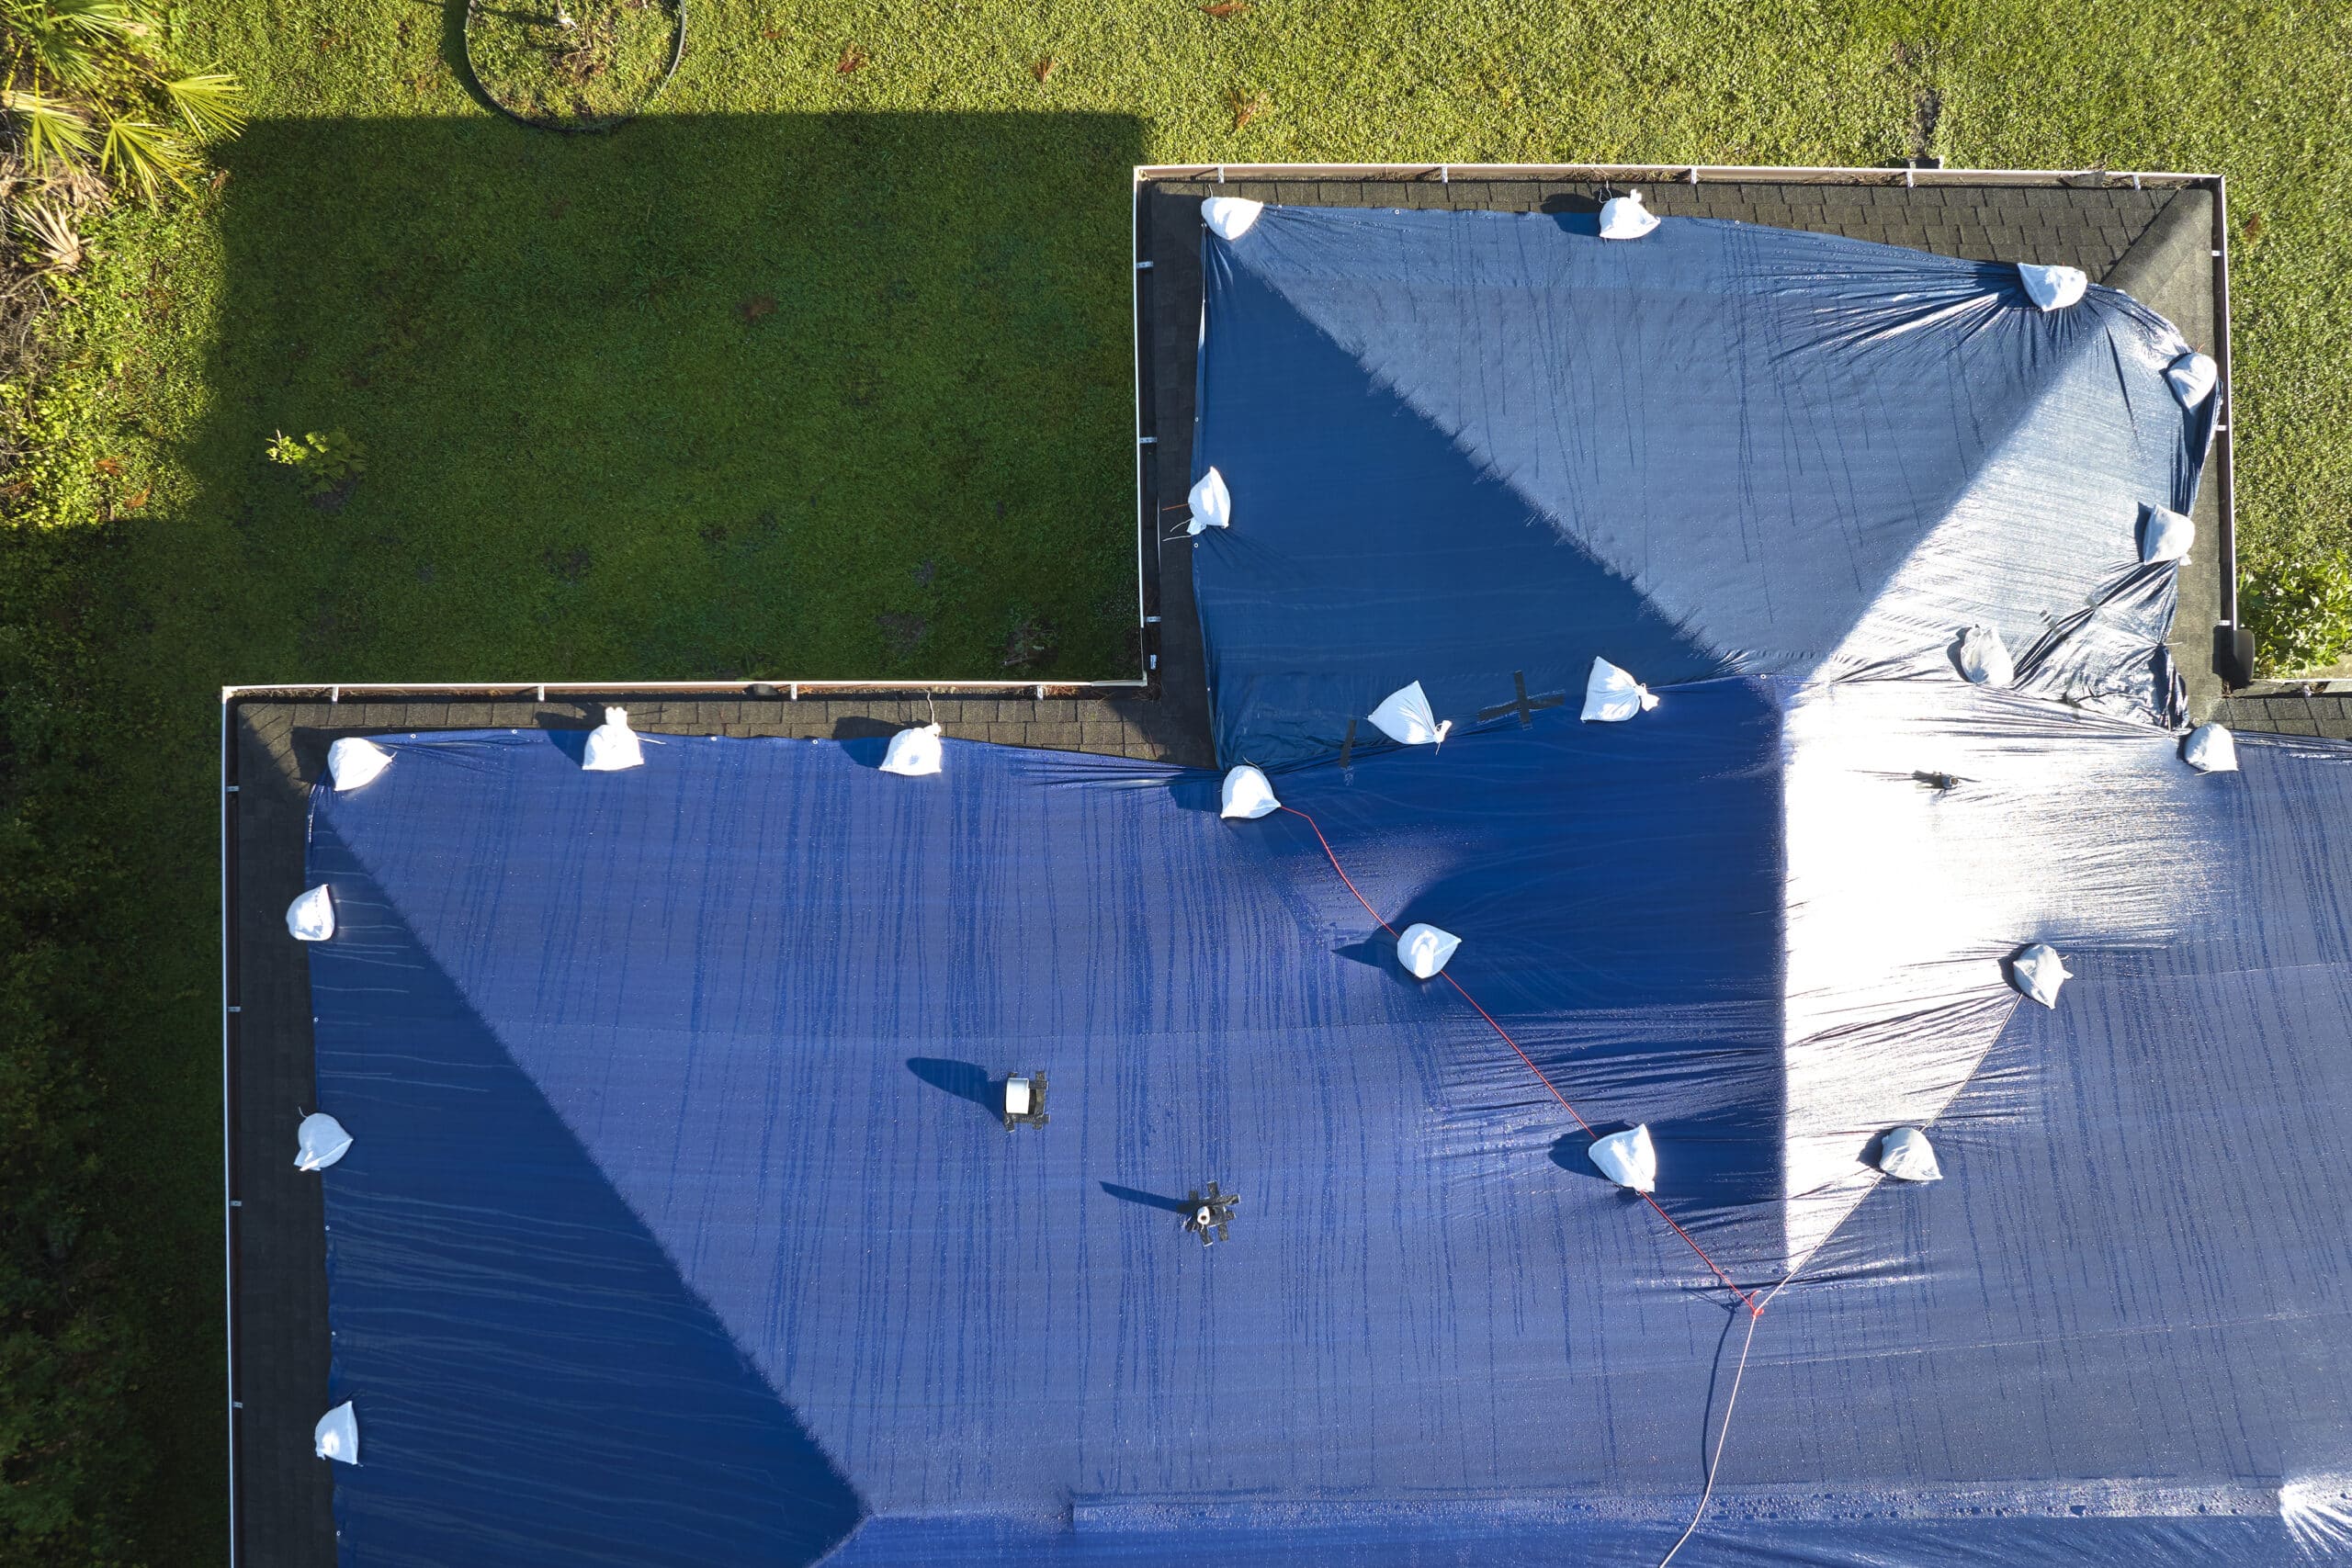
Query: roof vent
point(1024, 1100)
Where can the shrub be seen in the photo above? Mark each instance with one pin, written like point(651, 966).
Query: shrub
point(73, 1466)
point(2300, 611)
point(89, 88)
point(324, 464)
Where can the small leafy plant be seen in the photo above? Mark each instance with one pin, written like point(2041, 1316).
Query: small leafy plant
point(1030, 639)
point(2300, 612)
point(325, 465)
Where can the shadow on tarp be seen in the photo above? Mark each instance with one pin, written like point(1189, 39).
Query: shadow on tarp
point(1618, 895)
point(701, 398)
point(528, 1367)
point(1148, 1200)
point(965, 1081)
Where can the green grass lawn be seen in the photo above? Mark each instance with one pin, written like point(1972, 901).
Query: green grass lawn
point(815, 373)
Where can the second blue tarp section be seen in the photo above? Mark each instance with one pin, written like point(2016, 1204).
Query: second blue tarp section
point(1463, 447)
point(681, 1223)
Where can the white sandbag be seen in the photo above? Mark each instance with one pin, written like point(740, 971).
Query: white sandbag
point(319, 1142)
point(612, 745)
point(2209, 749)
point(1984, 658)
point(1248, 795)
point(352, 763)
point(2193, 376)
point(2166, 535)
point(1627, 1158)
point(312, 917)
point(1613, 696)
point(336, 1437)
point(1905, 1155)
point(1624, 217)
point(1229, 216)
point(2052, 287)
point(1424, 949)
point(1212, 504)
point(1403, 715)
point(913, 752)
point(2037, 971)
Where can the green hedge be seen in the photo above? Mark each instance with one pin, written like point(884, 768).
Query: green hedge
point(72, 1351)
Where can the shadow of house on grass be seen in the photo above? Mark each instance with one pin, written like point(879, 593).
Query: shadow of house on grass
point(708, 396)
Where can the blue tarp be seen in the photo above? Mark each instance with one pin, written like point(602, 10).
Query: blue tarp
point(1462, 445)
point(682, 1224)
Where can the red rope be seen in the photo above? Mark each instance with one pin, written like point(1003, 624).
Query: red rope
point(1754, 1310)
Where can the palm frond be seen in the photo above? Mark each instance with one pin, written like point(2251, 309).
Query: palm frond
point(78, 186)
point(211, 103)
point(75, 42)
point(142, 153)
point(54, 131)
point(97, 18)
point(49, 232)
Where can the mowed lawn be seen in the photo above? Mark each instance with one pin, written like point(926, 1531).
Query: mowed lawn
point(819, 373)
